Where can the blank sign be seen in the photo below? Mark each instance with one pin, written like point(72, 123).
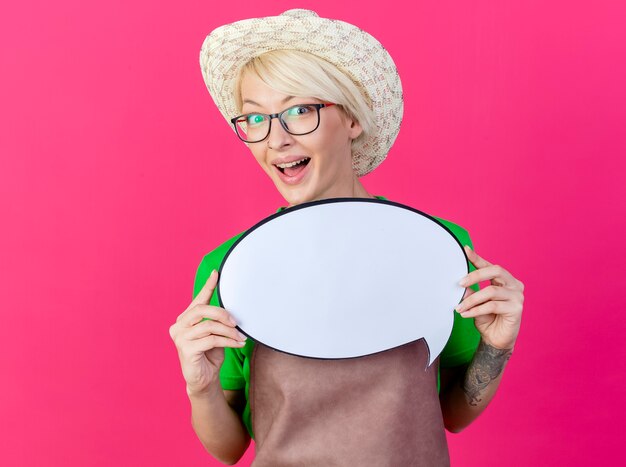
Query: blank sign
point(344, 278)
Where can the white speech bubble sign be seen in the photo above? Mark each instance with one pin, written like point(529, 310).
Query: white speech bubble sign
point(343, 278)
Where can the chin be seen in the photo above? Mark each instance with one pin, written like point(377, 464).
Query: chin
point(293, 199)
point(296, 194)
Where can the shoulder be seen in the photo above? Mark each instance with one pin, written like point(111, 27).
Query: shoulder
point(214, 257)
point(458, 231)
point(212, 260)
point(463, 237)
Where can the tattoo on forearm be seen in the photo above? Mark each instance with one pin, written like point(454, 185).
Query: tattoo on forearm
point(486, 366)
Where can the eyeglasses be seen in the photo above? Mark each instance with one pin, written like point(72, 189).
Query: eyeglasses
point(297, 120)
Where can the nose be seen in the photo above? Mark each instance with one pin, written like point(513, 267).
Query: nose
point(278, 137)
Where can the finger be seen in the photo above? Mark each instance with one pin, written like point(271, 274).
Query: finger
point(212, 342)
point(487, 273)
point(475, 259)
point(468, 291)
point(207, 290)
point(204, 296)
point(201, 312)
point(207, 328)
point(488, 293)
point(492, 307)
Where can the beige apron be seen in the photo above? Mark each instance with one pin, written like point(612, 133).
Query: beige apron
point(379, 410)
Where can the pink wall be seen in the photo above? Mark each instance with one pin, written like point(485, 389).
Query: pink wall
point(117, 174)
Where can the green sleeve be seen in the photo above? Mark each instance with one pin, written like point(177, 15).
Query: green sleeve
point(464, 338)
point(231, 373)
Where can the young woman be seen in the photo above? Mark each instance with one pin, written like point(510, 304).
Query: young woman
point(318, 102)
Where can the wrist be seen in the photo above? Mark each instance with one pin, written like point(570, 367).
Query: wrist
point(203, 393)
point(499, 346)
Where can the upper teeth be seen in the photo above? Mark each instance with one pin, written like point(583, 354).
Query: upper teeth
point(291, 164)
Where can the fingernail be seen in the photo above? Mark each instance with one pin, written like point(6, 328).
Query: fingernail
point(462, 282)
point(459, 307)
point(242, 337)
point(232, 321)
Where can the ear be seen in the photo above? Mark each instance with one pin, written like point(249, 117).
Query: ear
point(355, 129)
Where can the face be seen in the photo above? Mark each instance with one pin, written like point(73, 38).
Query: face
point(326, 167)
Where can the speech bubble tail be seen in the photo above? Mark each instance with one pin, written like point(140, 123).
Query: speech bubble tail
point(434, 348)
point(429, 359)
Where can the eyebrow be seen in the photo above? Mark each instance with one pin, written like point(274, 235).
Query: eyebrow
point(250, 101)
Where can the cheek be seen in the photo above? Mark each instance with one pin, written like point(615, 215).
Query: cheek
point(336, 139)
point(336, 150)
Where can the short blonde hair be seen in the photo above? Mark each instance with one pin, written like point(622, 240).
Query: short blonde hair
point(302, 74)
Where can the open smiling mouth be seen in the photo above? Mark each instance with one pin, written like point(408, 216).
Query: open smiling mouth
point(292, 169)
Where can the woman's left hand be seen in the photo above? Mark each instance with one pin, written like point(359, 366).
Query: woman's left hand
point(496, 309)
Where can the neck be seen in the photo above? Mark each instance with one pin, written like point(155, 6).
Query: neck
point(353, 189)
point(358, 190)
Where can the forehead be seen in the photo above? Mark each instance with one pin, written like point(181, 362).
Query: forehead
point(254, 88)
point(257, 94)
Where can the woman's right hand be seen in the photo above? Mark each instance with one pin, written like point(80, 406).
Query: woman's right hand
point(200, 344)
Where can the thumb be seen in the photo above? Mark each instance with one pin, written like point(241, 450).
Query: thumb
point(207, 290)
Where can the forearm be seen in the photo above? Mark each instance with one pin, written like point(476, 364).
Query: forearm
point(218, 426)
point(469, 395)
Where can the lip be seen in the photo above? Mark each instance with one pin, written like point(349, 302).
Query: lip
point(288, 159)
point(296, 178)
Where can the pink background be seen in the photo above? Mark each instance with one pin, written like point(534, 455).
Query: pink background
point(117, 174)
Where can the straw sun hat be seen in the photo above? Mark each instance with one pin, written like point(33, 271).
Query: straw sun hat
point(356, 53)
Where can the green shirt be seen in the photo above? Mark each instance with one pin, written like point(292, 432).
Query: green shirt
point(235, 371)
